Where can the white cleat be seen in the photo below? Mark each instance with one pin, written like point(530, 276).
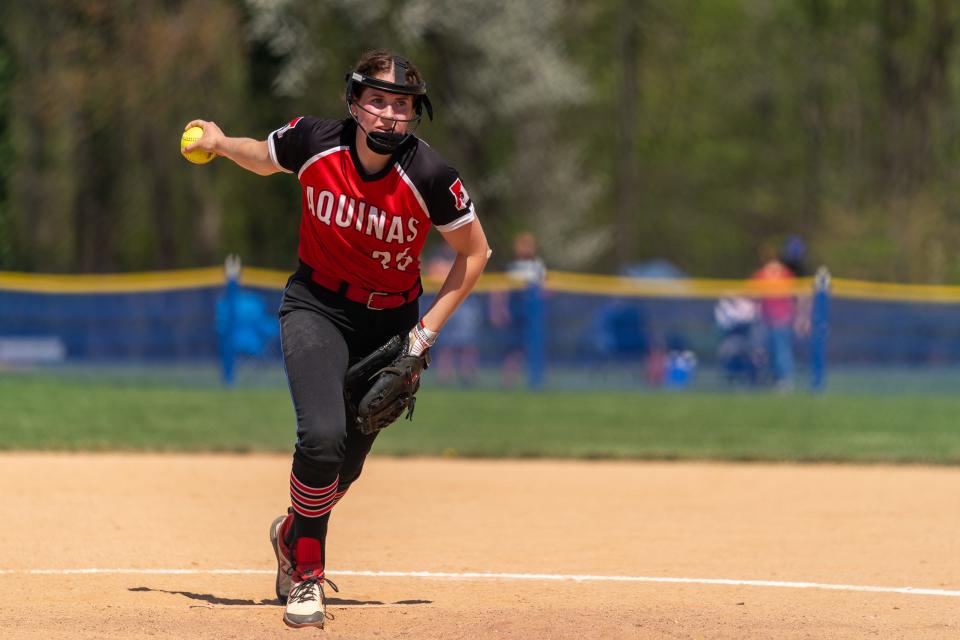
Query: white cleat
point(306, 605)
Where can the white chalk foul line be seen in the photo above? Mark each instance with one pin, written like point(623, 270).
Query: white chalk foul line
point(541, 577)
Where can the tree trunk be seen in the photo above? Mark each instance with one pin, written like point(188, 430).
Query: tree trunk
point(626, 148)
point(94, 220)
point(814, 117)
point(913, 86)
point(914, 60)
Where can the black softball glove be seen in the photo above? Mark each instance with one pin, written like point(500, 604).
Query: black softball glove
point(383, 385)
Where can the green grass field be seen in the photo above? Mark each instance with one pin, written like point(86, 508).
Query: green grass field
point(49, 413)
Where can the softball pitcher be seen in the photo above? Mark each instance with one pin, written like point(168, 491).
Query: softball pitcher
point(371, 190)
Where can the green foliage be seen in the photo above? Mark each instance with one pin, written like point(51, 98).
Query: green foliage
point(152, 416)
point(616, 130)
point(99, 100)
point(762, 119)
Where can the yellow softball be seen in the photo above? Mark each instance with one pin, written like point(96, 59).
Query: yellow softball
point(197, 156)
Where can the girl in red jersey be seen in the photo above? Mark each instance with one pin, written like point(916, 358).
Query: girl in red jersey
point(370, 192)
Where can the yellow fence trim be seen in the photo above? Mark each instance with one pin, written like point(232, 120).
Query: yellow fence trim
point(495, 282)
point(273, 279)
point(111, 282)
point(674, 288)
point(556, 281)
point(264, 278)
point(885, 291)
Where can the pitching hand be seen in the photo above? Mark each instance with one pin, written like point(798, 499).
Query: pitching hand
point(212, 136)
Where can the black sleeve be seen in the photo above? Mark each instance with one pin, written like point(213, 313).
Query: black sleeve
point(294, 143)
point(447, 200)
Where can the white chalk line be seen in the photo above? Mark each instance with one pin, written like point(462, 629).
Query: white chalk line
point(536, 577)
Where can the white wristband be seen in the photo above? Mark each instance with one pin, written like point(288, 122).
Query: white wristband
point(421, 339)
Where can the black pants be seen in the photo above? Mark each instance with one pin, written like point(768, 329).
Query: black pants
point(322, 334)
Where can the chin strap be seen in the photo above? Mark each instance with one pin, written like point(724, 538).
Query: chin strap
point(383, 142)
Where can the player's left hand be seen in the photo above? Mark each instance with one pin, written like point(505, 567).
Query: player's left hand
point(383, 385)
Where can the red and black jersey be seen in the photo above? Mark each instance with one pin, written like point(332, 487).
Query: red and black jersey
point(367, 230)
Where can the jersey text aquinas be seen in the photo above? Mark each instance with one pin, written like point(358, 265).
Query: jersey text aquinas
point(360, 215)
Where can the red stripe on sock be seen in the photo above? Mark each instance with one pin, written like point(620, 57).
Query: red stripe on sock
point(311, 504)
point(312, 513)
point(309, 498)
point(314, 490)
point(309, 507)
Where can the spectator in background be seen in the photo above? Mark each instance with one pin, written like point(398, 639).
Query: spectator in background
point(775, 285)
point(254, 330)
point(508, 310)
point(526, 266)
point(738, 351)
point(455, 354)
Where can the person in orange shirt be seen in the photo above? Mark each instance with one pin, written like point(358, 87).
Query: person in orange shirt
point(509, 310)
point(775, 286)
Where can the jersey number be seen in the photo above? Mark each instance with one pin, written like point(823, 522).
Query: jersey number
point(402, 260)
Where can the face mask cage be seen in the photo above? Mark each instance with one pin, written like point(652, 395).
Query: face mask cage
point(416, 118)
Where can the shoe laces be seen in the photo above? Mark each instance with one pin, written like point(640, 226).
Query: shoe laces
point(303, 592)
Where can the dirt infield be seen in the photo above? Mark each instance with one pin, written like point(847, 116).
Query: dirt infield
point(181, 546)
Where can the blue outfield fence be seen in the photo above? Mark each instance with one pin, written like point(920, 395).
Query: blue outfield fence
point(573, 331)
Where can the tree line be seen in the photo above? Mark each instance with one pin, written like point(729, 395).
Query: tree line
point(617, 131)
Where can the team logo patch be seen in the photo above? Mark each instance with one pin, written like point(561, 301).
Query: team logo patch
point(282, 130)
point(460, 195)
